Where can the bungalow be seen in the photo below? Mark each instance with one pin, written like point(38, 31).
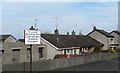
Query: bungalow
point(103, 37)
point(71, 44)
point(66, 44)
point(116, 34)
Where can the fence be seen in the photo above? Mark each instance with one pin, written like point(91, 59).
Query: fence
point(46, 65)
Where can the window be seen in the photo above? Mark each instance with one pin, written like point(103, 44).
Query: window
point(64, 51)
point(15, 54)
point(28, 53)
point(60, 51)
point(74, 51)
point(40, 52)
point(110, 47)
point(71, 51)
point(16, 50)
point(80, 49)
point(67, 50)
point(2, 51)
point(111, 39)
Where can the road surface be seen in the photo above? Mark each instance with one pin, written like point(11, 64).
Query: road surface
point(107, 65)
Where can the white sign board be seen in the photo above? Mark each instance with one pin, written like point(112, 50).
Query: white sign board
point(32, 36)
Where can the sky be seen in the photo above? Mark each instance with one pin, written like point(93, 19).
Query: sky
point(77, 16)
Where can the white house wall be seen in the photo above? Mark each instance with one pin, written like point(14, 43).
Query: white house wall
point(101, 38)
point(51, 50)
point(111, 41)
point(116, 39)
point(10, 39)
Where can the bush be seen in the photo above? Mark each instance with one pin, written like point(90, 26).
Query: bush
point(114, 50)
point(117, 50)
point(61, 56)
point(97, 49)
point(109, 50)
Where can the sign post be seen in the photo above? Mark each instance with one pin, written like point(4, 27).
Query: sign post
point(31, 36)
point(31, 58)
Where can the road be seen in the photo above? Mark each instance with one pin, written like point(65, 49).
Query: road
point(107, 65)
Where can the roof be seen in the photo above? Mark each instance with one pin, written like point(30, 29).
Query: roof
point(21, 40)
point(117, 32)
point(64, 41)
point(102, 32)
point(4, 37)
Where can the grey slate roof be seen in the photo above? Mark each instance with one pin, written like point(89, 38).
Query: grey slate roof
point(102, 32)
point(21, 40)
point(63, 41)
point(4, 37)
point(117, 32)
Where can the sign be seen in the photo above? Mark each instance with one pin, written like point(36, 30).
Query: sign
point(32, 36)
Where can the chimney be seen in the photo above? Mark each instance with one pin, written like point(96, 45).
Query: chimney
point(80, 33)
point(94, 28)
point(56, 32)
point(73, 32)
point(31, 28)
point(67, 33)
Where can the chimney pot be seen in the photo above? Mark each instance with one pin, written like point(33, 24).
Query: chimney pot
point(94, 28)
point(56, 32)
point(67, 33)
point(73, 32)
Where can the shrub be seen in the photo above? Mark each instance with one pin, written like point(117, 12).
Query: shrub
point(117, 50)
point(97, 49)
point(61, 56)
point(113, 51)
point(109, 50)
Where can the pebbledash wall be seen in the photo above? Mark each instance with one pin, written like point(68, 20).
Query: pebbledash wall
point(17, 52)
point(47, 65)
